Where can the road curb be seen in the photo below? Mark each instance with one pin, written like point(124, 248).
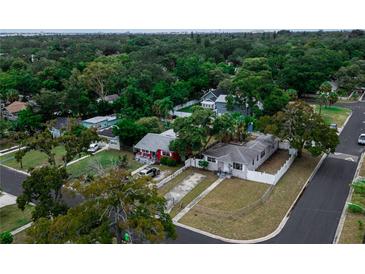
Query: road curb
point(20, 229)
point(349, 197)
point(272, 234)
point(16, 170)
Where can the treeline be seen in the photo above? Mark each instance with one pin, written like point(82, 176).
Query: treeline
point(67, 73)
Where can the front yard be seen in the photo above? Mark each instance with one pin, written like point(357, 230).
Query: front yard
point(11, 217)
point(231, 196)
point(32, 159)
point(105, 159)
point(334, 114)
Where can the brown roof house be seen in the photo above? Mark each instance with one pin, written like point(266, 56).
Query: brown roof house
point(12, 110)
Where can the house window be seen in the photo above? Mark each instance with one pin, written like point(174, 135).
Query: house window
point(237, 166)
point(257, 157)
point(262, 154)
point(253, 162)
point(211, 159)
point(164, 153)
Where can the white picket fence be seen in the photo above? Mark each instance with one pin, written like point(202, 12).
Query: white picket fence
point(170, 177)
point(271, 179)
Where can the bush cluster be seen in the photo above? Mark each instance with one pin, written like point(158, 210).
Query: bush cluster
point(167, 161)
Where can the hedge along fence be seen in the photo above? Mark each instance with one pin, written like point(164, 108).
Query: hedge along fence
point(239, 213)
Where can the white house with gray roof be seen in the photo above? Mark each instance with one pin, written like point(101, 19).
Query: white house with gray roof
point(216, 100)
point(237, 159)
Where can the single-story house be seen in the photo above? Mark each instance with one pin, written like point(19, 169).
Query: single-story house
point(113, 140)
point(61, 124)
point(153, 146)
point(236, 159)
point(217, 101)
point(12, 110)
point(109, 98)
point(100, 122)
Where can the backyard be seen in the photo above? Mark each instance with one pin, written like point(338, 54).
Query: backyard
point(234, 195)
point(32, 159)
point(188, 109)
point(275, 162)
point(106, 159)
point(334, 114)
point(11, 217)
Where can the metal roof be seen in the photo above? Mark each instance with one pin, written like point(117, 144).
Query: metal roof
point(154, 142)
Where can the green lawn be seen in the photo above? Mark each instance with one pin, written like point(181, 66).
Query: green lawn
point(6, 143)
point(334, 114)
point(11, 217)
point(107, 160)
point(188, 109)
point(32, 159)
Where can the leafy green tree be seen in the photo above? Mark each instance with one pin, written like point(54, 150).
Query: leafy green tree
point(150, 124)
point(115, 205)
point(28, 121)
point(96, 76)
point(162, 107)
point(49, 102)
point(194, 132)
point(128, 131)
point(44, 187)
point(6, 237)
point(303, 128)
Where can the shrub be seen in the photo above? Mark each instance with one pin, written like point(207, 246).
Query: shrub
point(359, 186)
point(167, 161)
point(6, 237)
point(203, 164)
point(361, 224)
point(355, 208)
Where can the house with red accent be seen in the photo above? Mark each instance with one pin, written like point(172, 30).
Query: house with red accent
point(153, 146)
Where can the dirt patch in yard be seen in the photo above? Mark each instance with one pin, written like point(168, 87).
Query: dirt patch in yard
point(274, 162)
point(263, 219)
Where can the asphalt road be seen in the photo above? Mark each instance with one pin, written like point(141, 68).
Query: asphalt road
point(11, 182)
point(314, 218)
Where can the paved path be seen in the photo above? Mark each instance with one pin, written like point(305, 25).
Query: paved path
point(7, 199)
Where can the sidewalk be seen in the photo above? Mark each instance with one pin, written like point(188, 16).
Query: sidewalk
point(196, 200)
point(7, 199)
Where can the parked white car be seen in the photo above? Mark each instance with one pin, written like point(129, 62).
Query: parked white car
point(93, 147)
point(361, 140)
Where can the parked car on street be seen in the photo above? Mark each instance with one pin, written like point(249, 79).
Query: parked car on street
point(150, 171)
point(93, 147)
point(361, 140)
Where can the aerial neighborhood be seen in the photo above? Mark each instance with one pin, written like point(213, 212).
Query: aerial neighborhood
point(123, 138)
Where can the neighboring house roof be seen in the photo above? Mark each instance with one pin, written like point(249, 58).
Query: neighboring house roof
point(99, 119)
point(240, 153)
point(169, 133)
point(61, 122)
point(110, 98)
point(215, 92)
point(154, 142)
point(108, 132)
point(16, 106)
point(221, 99)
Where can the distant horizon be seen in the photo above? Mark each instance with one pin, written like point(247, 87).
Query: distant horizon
point(121, 31)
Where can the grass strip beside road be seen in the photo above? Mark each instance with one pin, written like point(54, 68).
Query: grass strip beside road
point(262, 220)
point(11, 217)
point(334, 114)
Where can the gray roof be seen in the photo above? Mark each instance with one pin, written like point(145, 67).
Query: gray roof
point(108, 132)
point(111, 98)
point(221, 99)
point(154, 142)
point(61, 122)
point(240, 153)
point(216, 92)
point(99, 119)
